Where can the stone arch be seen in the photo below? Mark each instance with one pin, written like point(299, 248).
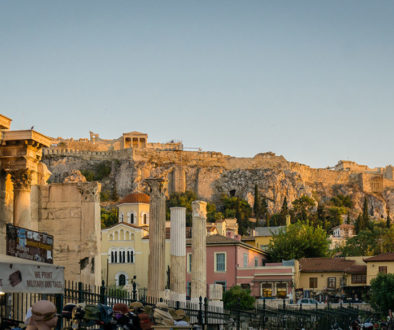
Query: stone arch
point(120, 276)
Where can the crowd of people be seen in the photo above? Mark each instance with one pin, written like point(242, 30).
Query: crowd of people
point(43, 316)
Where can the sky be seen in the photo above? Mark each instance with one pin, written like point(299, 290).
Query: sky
point(310, 80)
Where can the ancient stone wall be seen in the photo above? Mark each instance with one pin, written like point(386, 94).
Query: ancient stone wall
point(71, 213)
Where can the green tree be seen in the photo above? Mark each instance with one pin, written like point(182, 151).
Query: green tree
point(257, 202)
point(98, 171)
point(371, 241)
point(365, 216)
point(382, 293)
point(238, 298)
point(109, 217)
point(302, 207)
point(183, 199)
point(285, 208)
point(388, 220)
point(299, 240)
point(235, 207)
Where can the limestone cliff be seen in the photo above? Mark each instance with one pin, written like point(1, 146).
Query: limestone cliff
point(211, 173)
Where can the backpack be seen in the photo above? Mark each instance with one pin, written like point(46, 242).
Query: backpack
point(105, 313)
point(145, 321)
point(92, 313)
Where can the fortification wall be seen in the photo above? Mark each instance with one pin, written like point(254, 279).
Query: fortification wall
point(126, 154)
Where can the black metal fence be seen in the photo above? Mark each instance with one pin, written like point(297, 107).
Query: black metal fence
point(13, 308)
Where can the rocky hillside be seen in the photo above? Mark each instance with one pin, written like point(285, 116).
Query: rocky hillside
point(210, 174)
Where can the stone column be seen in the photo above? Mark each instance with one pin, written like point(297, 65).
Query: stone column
point(22, 187)
point(157, 235)
point(199, 259)
point(178, 253)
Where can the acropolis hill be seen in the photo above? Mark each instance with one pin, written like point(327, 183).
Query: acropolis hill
point(132, 159)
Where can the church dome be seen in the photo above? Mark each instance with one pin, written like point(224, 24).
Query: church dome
point(136, 197)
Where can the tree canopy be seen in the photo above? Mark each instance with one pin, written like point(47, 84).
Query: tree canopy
point(299, 240)
point(372, 241)
point(382, 293)
point(238, 298)
point(109, 217)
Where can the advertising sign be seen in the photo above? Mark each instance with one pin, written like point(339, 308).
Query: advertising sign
point(29, 244)
point(29, 277)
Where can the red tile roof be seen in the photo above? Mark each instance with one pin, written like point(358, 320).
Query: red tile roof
point(381, 257)
point(135, 198)
point(322, 265)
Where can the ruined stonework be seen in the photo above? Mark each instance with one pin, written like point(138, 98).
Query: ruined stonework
point(157, 223)
point(71, 213)
point(199, 251)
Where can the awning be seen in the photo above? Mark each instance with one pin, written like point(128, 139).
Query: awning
point(21, 275)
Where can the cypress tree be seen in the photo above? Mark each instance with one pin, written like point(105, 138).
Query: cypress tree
point(284, 210)
point(365, 216)
point(257, 203)
point(388, 220)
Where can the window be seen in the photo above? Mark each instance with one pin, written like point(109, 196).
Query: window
point(132, 218)
point(188, 289)
point(266, 289)
point(223, 284)
point(359, 279)
point(246, 260)
point(189, 262)
point(281, 290)
point(331, 282)
point(313, 282)
point(383, 269)
point(121, 256)
point(145, 219)
point(220, 262)
point(245, 286)
point(263, 247)
point(130, 256)
point(256, 261)
point(122, 280)
point(121, 217)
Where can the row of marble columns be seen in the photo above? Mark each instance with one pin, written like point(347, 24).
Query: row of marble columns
point(156, 271)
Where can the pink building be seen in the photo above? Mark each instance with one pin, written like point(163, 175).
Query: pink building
point(269, 280)
point(229, 262)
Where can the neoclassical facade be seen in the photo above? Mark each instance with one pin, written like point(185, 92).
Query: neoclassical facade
point(134, 209)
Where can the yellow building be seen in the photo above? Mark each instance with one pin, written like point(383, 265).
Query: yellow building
point(125, 246)
point(124, 255)
point(382, 263)
point(134, 209)
point(263, 236)
point(331, 277)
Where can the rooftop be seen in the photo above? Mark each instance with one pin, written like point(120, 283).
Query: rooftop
point(268, 231)
point(136, 197)
point(381, 257)
point(322, 265)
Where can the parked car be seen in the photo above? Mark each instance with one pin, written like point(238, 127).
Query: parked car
point(308, 301)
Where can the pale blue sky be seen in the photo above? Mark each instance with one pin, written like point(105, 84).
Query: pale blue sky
point(311, 80)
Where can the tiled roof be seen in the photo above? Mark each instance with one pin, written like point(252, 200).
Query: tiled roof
point(318, 265)
point(381, 257)
point(268, 231)
point(135, 198)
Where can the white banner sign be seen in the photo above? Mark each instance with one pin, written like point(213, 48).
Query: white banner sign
point(31, 278)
